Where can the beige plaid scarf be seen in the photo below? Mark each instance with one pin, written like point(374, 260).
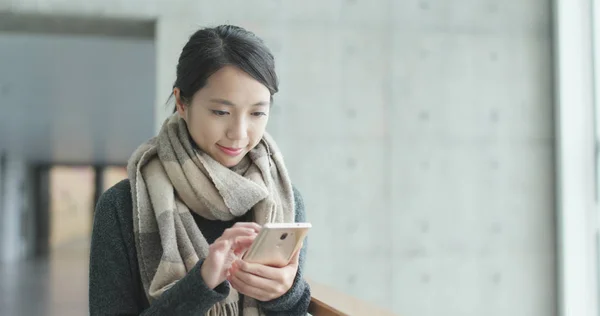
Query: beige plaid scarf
point(169, 178)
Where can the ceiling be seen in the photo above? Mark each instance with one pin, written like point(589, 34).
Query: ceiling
point(82, 99)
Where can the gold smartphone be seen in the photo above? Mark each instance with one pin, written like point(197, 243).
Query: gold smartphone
point(276, 243)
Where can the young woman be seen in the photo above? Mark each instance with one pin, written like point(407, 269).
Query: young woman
point(167, 240)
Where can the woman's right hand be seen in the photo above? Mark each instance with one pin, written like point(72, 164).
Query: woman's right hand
point(225, 250)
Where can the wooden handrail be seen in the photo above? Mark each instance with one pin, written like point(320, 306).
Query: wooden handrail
point(326, 301)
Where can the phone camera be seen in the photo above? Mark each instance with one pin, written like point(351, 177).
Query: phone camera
point(283, 236)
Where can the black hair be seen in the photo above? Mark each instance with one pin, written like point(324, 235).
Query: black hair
point(210, 49)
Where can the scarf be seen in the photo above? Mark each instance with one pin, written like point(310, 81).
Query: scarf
point(170, 178)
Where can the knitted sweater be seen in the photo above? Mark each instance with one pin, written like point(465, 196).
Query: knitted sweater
point(115, 287)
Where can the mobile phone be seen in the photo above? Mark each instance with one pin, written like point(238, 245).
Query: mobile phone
point(276, 243)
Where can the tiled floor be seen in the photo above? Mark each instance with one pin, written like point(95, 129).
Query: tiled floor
point(52, 286)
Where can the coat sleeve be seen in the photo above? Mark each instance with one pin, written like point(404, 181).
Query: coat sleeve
point(113, 287)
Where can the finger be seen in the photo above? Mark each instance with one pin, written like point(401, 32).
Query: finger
point(239, 231)
point(259, 270)
point(234, 232)
point(248, 290)
point(255, 281)
point(250, 225)
point(242, 244)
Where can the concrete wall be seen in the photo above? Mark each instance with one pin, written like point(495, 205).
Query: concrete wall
point(420, 133)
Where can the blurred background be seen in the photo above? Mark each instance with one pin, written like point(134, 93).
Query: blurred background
point(446, 149)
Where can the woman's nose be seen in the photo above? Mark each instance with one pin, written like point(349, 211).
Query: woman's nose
point(238, 130)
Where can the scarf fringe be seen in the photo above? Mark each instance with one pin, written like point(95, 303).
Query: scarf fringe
point(222, 309)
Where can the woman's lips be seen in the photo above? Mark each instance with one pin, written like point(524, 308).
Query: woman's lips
point(230, 151)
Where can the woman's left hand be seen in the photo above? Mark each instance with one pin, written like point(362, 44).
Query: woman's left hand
point(262, 282)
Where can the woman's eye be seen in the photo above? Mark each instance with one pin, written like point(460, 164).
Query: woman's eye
point(259, 114)
point(220, 113)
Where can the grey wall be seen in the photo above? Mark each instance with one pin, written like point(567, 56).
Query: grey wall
point(423, 143)
point(473, 170)
point(74, 98)
point(420, 133)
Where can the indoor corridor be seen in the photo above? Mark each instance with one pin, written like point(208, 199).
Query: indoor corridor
point(53, 286)
point(54, 281)
point(446, 153)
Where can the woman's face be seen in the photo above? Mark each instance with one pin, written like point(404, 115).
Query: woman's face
point(228, 116)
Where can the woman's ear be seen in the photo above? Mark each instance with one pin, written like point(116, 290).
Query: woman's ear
point(179, 104)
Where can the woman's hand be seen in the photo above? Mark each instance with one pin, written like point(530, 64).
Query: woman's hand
point(225, 250)
point(262, 282)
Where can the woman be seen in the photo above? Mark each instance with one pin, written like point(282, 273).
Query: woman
point(167, 240)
